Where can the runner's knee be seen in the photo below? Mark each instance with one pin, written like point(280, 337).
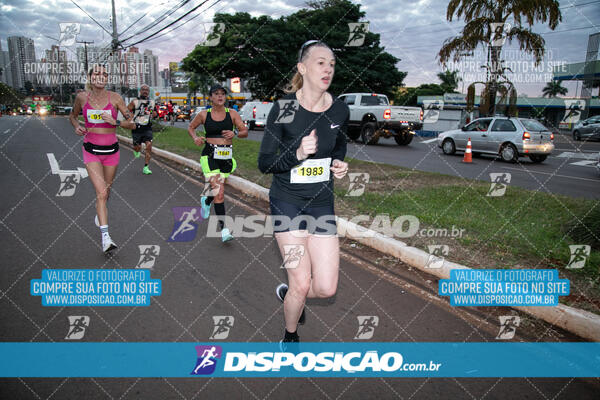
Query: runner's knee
point(324, 289)
point(102, 196)
point(299, 288)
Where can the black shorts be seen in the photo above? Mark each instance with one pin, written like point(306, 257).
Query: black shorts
point(142, 137)
point(291, 217)
point(212, 166)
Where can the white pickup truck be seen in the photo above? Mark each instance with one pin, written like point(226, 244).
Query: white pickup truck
point(372, 116)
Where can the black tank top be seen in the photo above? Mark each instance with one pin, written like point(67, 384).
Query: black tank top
point(213, 128)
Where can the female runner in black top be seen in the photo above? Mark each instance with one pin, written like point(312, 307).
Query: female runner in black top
point(304, 145)
point(217, 156)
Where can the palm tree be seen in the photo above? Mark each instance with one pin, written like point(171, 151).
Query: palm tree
point(482, 19)
point(554, 88)
point(450, 80)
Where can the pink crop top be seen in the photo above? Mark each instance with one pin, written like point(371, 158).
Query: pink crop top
point(93, 117)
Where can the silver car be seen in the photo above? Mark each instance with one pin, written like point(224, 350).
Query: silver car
point(509, 138)
point(587, 129)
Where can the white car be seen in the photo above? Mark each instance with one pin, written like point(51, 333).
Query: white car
point(510, 138)
point(255, 113)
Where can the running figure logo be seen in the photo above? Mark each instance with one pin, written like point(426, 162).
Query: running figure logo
point(223, 324)
point(432, 110)
point(579, 255)
point(358, 183)
point(212, 34)
point(68, 184)
point(500, 181)
point(438, 252)
point(208, 190)
point(358, 32)
point(148, 254)
point(68, 33)
point(292, 254)
point(207, 359)
point(366, 326)
point(77, 326)
point(573, 110)
point(186, 226)
point(508, 326)
point(498, 32)
point(287, 111)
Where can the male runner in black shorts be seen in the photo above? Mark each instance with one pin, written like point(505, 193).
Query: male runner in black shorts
point(143, 110)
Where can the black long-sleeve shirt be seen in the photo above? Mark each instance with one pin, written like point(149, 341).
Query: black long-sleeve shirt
point(282, 137)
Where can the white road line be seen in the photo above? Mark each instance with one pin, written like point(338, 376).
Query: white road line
point(581, 151)
point(569, 154)
point(584, 163)
point(53, 163)
point(547, 173)
point(6, 131)
point(55, 169)
point(429, 141)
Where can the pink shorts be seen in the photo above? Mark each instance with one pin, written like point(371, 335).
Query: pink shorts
point(101, 140)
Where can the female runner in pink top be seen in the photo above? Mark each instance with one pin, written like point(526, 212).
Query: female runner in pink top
point(100, 145)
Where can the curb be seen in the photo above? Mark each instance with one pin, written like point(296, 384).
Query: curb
point(580, 322)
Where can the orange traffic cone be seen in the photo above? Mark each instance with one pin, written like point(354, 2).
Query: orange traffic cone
point(468, 158)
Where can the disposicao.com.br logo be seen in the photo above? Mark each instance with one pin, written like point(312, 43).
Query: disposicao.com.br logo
point(298, 362)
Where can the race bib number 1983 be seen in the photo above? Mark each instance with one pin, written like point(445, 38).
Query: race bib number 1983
point(311, 171)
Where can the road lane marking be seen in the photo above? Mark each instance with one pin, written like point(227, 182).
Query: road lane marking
point(569, 154)
point(6, 131)
point(584, 163)
point(581, 151)
point(547, 173)
point(55, 169)
point(429, 141)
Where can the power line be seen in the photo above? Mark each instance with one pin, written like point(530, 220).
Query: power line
point(568, 30)
point(159, 19)
point(170, 24)
point(580, 5)
point(135, 22)
point(189, 20)
point(92, 18)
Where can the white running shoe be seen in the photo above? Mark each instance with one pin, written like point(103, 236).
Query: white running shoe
point(97, 221)
point(108, 244)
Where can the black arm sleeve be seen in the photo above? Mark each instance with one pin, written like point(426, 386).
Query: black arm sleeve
point(339, 151)
point(270, 160)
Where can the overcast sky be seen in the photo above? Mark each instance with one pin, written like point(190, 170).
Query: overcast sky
point(412, 30)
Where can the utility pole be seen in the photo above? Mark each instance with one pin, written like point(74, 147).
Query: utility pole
point(85, 53)
point(115, 42)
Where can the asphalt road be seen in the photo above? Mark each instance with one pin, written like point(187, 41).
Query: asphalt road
point(205, 278)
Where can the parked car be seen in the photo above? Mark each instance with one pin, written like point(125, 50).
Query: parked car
point(598, 163)
point(510, 138)
point(372, 117)
point(255, 113)
point(64, 110)
point(587, 129)
point(195, 112)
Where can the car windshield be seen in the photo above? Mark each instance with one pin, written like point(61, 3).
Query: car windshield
point(373, 101)
point(533, 125)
